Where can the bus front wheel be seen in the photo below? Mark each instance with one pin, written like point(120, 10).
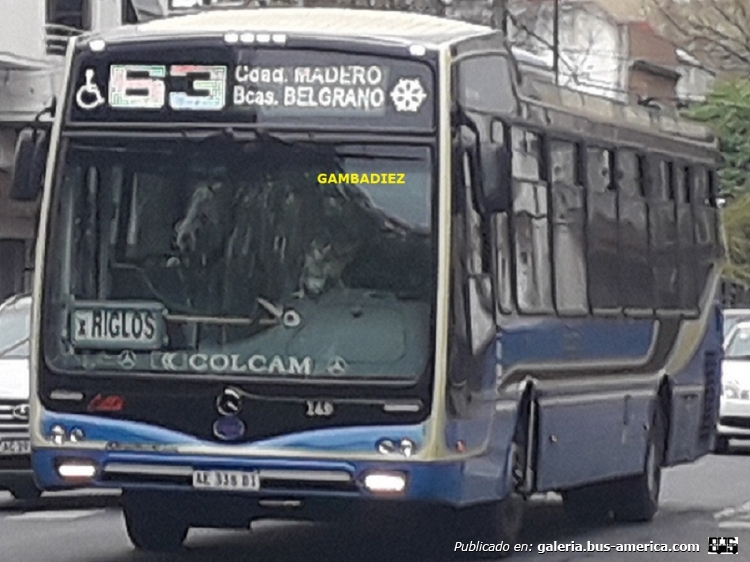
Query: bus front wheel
point(721, 445)
point(152, 527)
point(26, 491)
point(495, 523)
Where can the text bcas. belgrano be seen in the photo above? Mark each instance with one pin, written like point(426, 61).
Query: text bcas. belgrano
point(351, 87)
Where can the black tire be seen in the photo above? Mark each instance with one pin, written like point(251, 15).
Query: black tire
point(590, 504)
point(494, 523)
point(153, 526)
point(639, 495)
point(26, 491)
point(721, 445)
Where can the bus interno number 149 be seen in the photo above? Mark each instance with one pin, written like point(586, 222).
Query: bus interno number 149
point(225, 336)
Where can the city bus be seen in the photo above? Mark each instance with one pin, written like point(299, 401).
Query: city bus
point(322, 264)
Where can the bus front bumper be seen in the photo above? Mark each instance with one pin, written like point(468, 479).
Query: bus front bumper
point(269, 478)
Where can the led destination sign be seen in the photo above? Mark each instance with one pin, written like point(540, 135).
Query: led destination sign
point(141, 83)
point(358, 89)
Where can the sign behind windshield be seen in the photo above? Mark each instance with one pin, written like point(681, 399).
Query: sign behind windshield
point(147, 82)
point(117, 325)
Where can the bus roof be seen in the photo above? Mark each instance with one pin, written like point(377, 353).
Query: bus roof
point(554, 105)
point(374, 25)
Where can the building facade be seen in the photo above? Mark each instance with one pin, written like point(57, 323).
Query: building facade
point(608, 48)
point(32, 45)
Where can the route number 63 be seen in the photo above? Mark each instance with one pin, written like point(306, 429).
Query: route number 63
point(137, 86)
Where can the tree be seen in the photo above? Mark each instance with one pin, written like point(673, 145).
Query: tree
point(716, 32)
point(737, 229)
point(727, 111)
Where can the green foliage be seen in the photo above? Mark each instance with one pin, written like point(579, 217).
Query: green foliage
point(727, 110)
point(737, 228)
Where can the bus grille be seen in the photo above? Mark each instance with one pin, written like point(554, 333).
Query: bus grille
point(14, 416)
point(711, 396)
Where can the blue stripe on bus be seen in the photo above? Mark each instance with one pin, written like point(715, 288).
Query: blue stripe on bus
point(551, 339)
point(364, 439)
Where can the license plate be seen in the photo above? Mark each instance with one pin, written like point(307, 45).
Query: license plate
point(15, 447)
point(226, 480)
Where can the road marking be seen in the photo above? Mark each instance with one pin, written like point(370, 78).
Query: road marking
point(728, 512)
point(734, 525)
point(65, 515)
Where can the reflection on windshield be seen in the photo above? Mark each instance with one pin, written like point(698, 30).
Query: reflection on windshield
point(731, 321)
point(15, 324)
point(228, 230)
point(738, 344)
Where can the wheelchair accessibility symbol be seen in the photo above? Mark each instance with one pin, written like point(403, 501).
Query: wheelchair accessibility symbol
point(89, 96)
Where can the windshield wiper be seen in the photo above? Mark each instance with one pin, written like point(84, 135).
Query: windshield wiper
point(277, 315)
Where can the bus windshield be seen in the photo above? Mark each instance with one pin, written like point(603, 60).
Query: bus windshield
point(258, 258)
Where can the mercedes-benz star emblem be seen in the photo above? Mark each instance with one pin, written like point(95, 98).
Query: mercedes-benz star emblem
point(229, 403)
point(127, 359)
point(336, 366)
point(21, 412)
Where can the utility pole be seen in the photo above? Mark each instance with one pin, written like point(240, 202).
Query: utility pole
point(499, 19)
point(556, 41)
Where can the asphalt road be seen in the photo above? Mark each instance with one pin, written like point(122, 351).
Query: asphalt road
point(706, 499)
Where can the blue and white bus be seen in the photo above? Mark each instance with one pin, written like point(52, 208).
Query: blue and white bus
point(306, 263)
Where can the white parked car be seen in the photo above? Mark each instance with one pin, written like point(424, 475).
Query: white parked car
point(15, 451)
point(733, 316)
point(734, 413)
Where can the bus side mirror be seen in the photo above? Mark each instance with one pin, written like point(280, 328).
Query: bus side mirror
point(29, 164)
point(491, 175)
point(495, 177)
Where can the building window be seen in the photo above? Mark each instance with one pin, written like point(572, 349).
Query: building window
point(65, 19)
point(69, 13)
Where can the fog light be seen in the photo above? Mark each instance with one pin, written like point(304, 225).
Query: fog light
point(405, 447)
point(385, 482)
point(58, 435)
point(77, 469)
point(77, 435)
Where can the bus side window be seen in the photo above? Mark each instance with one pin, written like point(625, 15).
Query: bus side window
point(81, 185)
point(705, 233)
point(713, 202)
point(686, 240)
point(603, 244)
point(501, 227)
point(478, 258)
point(634, 268)
point(530, 225)
point(568, 228)
point(663, 234)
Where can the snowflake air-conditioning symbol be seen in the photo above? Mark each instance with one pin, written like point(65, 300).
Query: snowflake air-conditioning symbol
point(408, 95)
